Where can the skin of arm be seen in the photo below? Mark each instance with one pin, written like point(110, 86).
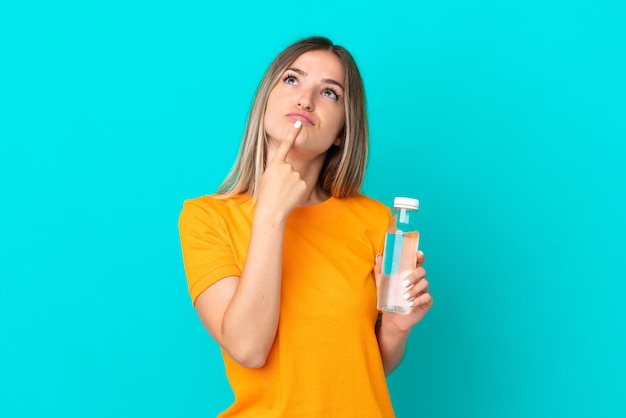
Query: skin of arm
point(392, 345)
point(241, 313)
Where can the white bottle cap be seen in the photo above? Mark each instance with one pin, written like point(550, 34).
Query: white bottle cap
point(406, 203)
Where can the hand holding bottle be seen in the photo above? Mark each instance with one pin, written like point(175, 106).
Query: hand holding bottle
point(399, 256)
point(415, 293)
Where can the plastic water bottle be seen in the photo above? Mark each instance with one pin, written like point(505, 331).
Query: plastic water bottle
point(399, 255)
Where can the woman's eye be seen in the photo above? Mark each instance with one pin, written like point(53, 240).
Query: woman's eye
point(289, 79)
point(331, 93)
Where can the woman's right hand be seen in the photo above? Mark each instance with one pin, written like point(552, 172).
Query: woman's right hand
point(282, 188)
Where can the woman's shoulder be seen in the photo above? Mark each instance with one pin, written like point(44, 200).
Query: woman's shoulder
point(367, 204)
point(214, 205)
point(217, 201)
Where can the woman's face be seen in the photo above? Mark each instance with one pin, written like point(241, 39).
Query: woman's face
point(311, 91)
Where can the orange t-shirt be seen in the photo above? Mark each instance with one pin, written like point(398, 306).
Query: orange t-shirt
point(325, 360)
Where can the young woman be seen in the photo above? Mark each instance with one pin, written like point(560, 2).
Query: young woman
point(282, 262)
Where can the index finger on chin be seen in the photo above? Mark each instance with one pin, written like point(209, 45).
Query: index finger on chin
point(287, 142)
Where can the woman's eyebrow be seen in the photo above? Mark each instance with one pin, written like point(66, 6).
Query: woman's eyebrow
point(325, 80)
point(297, 70)
point(331, 81)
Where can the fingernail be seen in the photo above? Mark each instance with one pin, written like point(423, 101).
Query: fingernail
point(406, 283)
point(298, 124)
point(406, 296)
point(420, 252)
point(377, 258)
point(409, 304)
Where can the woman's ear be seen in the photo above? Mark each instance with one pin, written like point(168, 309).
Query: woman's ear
point(340, 137)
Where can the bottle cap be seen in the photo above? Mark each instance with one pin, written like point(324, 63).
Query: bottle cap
point(406, 203)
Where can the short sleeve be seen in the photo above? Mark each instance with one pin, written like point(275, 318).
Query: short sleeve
point(206, 247)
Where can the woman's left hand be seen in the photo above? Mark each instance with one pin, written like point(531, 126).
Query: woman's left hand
point(417, 297)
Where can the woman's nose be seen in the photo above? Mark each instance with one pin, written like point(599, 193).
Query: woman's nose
point(306, 101)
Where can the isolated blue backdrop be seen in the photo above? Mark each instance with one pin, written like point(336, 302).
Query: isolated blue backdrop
point(506, 119)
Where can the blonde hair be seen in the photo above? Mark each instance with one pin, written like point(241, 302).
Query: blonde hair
point(344, 167)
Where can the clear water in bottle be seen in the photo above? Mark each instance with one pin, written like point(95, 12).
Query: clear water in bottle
point(399, 259)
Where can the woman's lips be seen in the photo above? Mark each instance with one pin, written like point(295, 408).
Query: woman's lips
point(301, 116)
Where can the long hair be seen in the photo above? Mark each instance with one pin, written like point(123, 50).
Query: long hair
point(344, 167)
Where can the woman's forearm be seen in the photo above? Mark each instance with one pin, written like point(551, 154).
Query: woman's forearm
point(251, 318)
point(392, 345)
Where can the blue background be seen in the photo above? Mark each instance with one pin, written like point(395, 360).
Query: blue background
point(506, 119)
